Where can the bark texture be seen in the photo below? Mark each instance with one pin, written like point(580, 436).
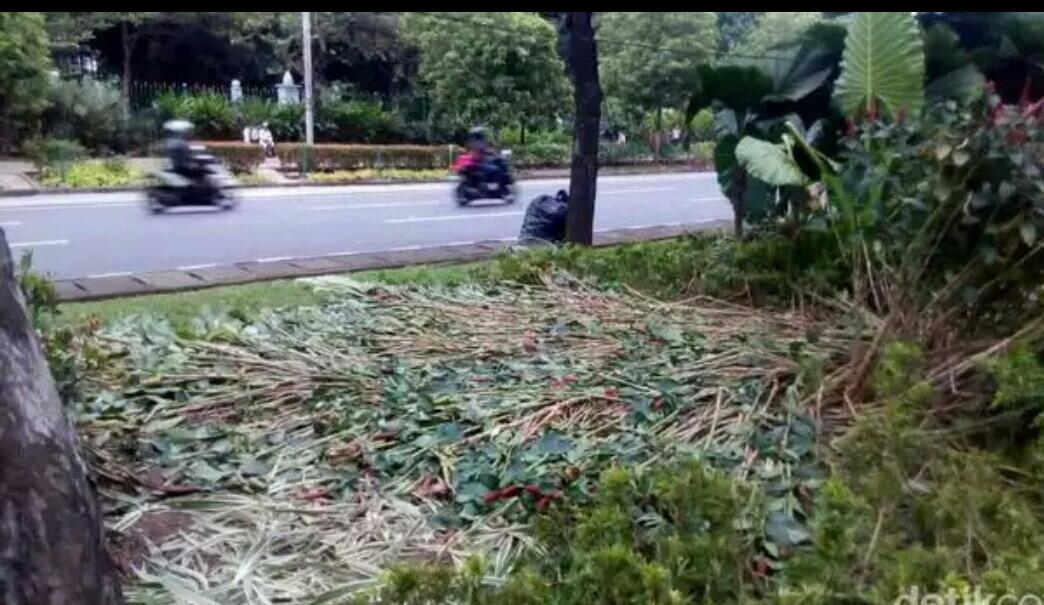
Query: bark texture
point(581, 53)
point(52, 544)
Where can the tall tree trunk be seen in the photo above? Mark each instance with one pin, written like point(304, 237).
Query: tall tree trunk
point(52, 545)
point(739, 200)
point(658, 133)
point(582, 58)
point(128, 49)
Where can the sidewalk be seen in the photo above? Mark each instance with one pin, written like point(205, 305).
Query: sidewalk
point(70, 290)
point(14, 183)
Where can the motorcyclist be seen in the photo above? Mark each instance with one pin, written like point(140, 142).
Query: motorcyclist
point(181, 157)
point(477, 163)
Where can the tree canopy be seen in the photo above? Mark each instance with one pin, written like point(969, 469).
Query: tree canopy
point(24, 64)
point(493, 68)
point(650, 60)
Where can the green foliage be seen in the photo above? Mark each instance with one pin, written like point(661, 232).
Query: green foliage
point(493, 68)
point(950, 203)
point(94, 173)
point(663, 537)
point(328, 157)
point(882, 71)
point(24, 64)
point(211, 113)
point(773, 31)
point(241, 158)
point(58, 341)
point(1020, 381)
point(54, 156)
point(650, 60)
point(758, 99)
point(87, 111)
point(355, 121)
point(762, 270)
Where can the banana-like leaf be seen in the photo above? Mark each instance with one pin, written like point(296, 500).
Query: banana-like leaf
point(768, 162)
point(963, 84)
point(882, 69)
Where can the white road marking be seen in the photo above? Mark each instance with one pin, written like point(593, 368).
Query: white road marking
point(44, 242)
point(273, 259)
point(708, 199)
point(194, 267)
point(10, 223)
point(403, 248)
point(465, 217)
point(351, 206)
point(646, 190)
point(110, 274)
point(345, 253)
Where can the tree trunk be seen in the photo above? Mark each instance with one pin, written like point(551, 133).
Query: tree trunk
point(52, 544)
point(128, 49)
point(658, 133)
point(739, 200)
point(582, 58)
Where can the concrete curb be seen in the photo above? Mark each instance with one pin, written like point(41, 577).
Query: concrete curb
point(524, 175)
point(156, 282)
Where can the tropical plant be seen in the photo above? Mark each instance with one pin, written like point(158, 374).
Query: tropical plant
point(757, 98)
point(882, 70)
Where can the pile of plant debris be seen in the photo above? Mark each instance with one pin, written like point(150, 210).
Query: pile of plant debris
point(297, 455)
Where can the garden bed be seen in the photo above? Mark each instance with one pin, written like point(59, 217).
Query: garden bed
point(392, 423)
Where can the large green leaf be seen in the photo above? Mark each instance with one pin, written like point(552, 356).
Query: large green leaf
point(768, 162)
point(883, 65)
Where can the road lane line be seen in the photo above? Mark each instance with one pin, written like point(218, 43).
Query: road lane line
point(273, 259)
point(708, 199)
point(10, 223)
point(351, 206)
point(646, 190)
point(403, 248)
point(109, 274)
point(194, 267)
point(345, 253)
point(44, 242)
point(465, 217)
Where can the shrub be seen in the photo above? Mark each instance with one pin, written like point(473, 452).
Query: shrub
point(240, 157)
point(358, 121)
point(54, 155)
point(88, 112)
point(541, 155)
point(701, 128)
point(512, 137)
point(353, 157)
point(379, 174)
point(95, 173)
point(211, 113)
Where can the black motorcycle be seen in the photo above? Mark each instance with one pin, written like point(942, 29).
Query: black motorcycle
point(209, 186)
point(490, 180)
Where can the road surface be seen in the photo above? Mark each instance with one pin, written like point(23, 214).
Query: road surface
point(108, 234)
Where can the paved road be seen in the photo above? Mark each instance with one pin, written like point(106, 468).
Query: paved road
point(91, 235)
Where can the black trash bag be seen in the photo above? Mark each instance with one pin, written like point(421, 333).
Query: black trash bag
point(545, 219)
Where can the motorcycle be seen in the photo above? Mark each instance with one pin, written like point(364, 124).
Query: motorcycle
point(492, 181)
point(171, 189)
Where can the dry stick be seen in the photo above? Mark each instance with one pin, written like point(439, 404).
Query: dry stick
point(714, 419)
point(873, 538)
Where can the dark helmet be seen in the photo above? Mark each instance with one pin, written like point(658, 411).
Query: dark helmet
point(477, 133)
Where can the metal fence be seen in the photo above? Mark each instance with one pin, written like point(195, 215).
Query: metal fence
point(142, 94)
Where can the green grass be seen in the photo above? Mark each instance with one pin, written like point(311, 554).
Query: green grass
point(248, 299)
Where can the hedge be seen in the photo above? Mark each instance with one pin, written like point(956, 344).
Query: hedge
point(327, 157)
point(240, 157)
